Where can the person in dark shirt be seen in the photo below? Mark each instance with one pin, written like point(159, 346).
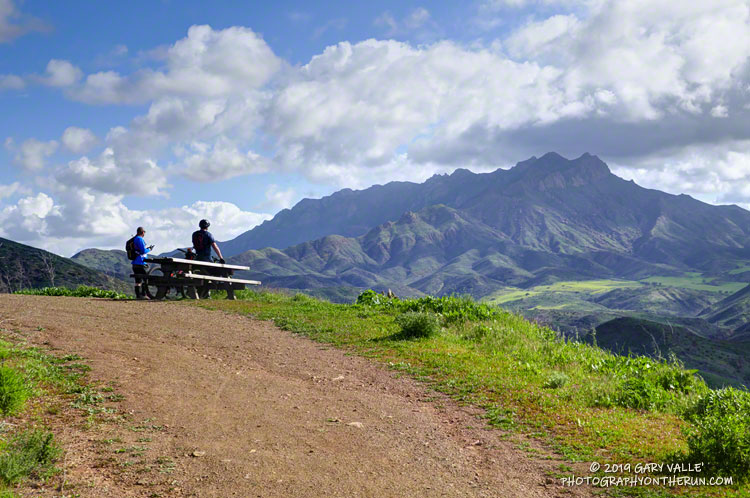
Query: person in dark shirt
point(203, 242)
point(139, 265)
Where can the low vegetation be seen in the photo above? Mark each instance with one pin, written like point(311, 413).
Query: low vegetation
point(80, 291)
point(587, 403)
point(29, 378)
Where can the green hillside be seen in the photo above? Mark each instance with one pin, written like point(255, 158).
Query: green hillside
point(720, 362)
point(112, 262)
point(732, 312)
point(23, 267)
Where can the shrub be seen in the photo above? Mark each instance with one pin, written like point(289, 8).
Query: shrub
point(80, 291)
point(720, 436)
point(372, 298)
point(451, 309)
point(556, 380)
point(13, 390)
point(30, 453)
point(418, 324)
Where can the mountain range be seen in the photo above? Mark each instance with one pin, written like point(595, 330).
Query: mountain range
point(566, 242)
point(546, 220)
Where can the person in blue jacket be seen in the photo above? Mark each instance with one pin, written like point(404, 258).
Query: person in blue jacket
point(139, 265)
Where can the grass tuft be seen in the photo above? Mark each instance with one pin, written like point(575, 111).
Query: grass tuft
point(418, 324)
point(30, 453)
point(13, 390)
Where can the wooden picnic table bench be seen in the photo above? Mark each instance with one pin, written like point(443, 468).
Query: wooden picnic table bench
point(191, 278)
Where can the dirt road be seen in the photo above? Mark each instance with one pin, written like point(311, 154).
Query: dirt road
point(223, 405)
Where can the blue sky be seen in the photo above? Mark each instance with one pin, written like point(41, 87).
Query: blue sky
point(160, 113)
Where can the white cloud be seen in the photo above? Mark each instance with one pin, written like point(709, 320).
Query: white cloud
point(32, 154)
point(720, 111)
point(78, 140)
point(417, 24)
point(11, 189)
point(206, 63)
point(220, 161)
point(61, 73)
point(277, 199)
point(14, 23)
point(716, 174)
point(114, 174)
point(80, 217)
point(11, 82)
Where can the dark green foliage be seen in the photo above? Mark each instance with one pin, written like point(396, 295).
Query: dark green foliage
point(720, 436)
point(31, 453)
point(418, 324)
point(13, 390)
point(80, 291)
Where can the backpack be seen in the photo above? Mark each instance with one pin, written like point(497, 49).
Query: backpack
point(198, 241)
point(130, 248)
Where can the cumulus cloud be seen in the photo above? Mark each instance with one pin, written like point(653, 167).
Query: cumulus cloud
point(32, 154)
point(78, 140)
point(206, 63)
point(61, 73)
point(14, 23)
point(11, 189)
point(113, 174)
point(277, 199)
point(73, 219)
point(11, 82)
point(220, 161)
point(718, 173)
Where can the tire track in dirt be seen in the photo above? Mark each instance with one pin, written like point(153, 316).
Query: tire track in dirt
point(246, 409)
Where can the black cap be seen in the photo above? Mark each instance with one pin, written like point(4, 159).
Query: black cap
point(204, 224)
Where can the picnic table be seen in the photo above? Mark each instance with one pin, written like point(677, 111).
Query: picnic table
point(191, 278)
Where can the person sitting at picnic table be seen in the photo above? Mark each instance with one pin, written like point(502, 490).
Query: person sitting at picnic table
point(203, 242)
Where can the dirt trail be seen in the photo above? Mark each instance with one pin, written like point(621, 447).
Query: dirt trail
point(276, 414)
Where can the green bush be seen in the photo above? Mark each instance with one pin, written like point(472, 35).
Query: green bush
point(80, 291)
point(13, 390)
point(451, 309)
point(556, 380)
point(645, 384)
point(30, 453)
point(720, 436)
point(418, 324)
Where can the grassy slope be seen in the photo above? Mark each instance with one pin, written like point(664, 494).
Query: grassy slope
point(503, 366)
point(23, 266)
point(112, 262)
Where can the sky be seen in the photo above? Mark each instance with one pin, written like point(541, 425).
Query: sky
point(162, 112)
